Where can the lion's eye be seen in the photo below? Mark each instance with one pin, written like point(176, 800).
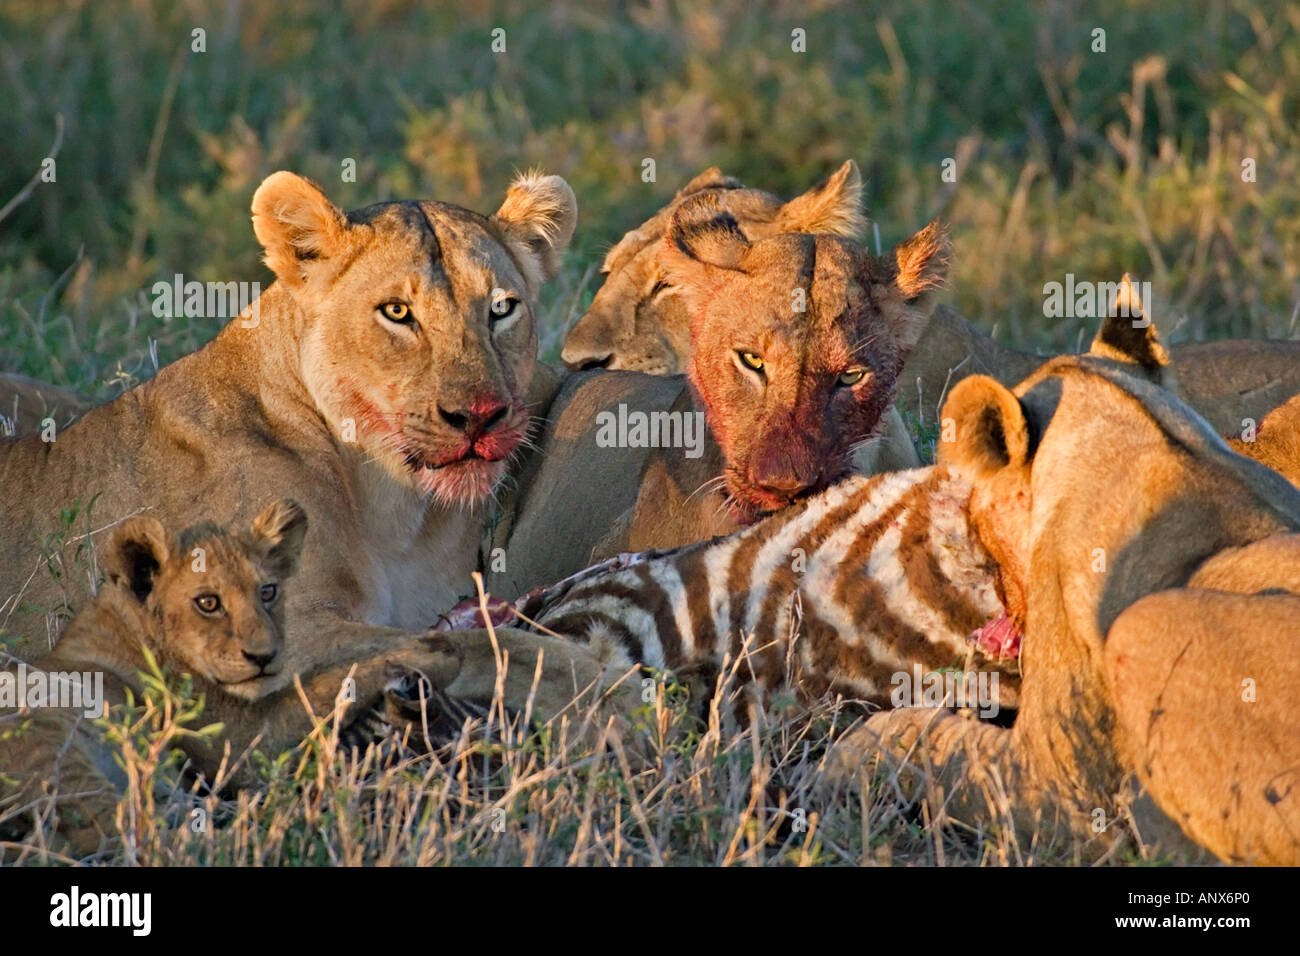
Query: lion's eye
point(208, 603)
point(750, 360)
point(398, 312)
point(269, 592)
point(503, 307)
point(852, 376)
point(659, 286)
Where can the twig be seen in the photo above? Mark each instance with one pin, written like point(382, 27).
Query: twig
point(27, 190)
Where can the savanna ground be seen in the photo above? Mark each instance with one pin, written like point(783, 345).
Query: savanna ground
point(1174, 154)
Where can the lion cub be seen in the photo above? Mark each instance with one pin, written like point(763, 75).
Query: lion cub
point(208, 602)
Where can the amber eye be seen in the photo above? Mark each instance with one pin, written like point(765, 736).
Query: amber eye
point(659, 286)
point(503, 308)
point(398, 312)
point(751, 361)
point(852, 376)
point(208, 603)
point(269, 591)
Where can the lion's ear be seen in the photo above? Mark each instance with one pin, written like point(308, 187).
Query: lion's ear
point(701, 238)
point(539, 214)
point(711, 178)
point(701, 233)
point(919, 267)
point(921, 263)
point(296, 225)
point(833, 206)
point(135, 553)
point(280, 530)
point(1128, 335)
point(983, 428)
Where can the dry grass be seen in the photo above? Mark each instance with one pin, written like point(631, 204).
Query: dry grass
point(735, 780)
point(684, 791)
point(1067, 161)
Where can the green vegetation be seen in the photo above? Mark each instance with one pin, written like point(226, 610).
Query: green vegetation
point(1067, 160)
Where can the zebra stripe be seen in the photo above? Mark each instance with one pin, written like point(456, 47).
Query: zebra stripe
point(894, 579)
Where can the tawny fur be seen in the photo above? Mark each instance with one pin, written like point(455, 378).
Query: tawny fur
point(28, 406)
point(773, 437)
point(1144, 552)
point(1276, 443)
point(636, 325)
point(313, 393)
point(632, 324)
point(148, 608)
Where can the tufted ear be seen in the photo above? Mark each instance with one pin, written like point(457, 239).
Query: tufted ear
point(539, 215)
point(296, 225)
point(919, 267)
point(135, 553)
point(833, 206)
point(984, 428)
point(1128, 335)
point(279, 531)
point(922, 262)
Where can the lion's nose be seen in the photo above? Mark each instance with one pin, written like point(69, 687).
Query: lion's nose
point(259, 660)
point(788, 487)
point(780, 476)
point(477, 418)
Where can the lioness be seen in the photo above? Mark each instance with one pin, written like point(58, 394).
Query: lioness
point(639, 322)
point(1156, 573)
point(208, 602)
point(798, 340)
point(382, 380)
point(635, 321)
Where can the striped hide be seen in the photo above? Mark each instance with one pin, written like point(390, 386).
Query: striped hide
point(871, 579)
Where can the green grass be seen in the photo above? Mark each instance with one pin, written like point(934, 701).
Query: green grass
point(1067, 161)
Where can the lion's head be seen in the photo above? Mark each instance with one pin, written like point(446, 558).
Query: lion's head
point(637, 322)
point(210, 601)
point(1093, 485)
point(418, 336)
point(797, 343)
